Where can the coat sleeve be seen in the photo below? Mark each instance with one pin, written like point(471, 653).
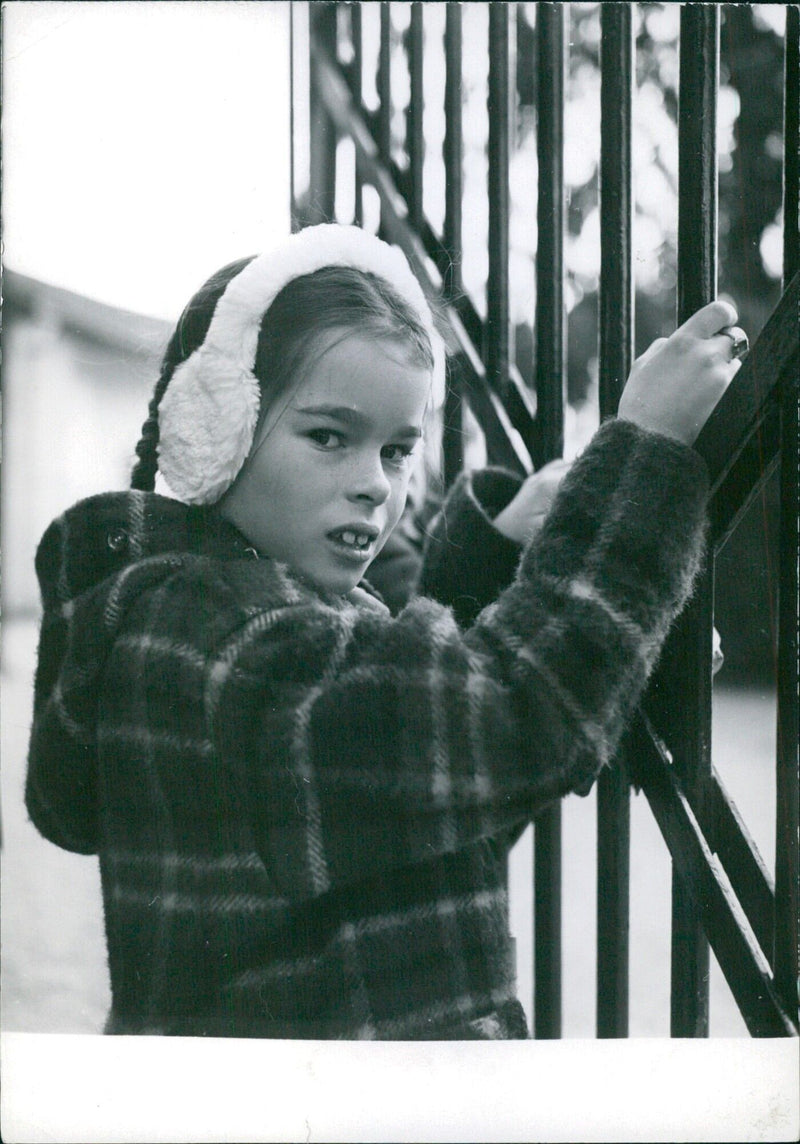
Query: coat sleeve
point(75, 640)
point(467, 561)
point(362, 742)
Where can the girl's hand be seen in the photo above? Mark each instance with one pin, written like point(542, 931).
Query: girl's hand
point(675, 384)
point(524, 515)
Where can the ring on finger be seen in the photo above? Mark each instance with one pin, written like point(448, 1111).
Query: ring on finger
point(740, 343)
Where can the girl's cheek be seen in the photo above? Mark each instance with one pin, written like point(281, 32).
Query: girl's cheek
point(399, 504)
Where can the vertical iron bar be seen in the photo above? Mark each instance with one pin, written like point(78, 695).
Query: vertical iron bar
point(356, 86)
point(615, 354)
point(613, 900)
point(497, 312)
point(697, 285)
point(690, 746)
point(791, 151)
point(453, 429)
point(549, 444)
point(322, 195)
point(294, 213)
point(787, 859)
point(787, 827)
point(697, 157)
point(547, 924)
point(453, 150)
point(550, 326)
point(616, 212)
point(415, 142)
point(384, 85)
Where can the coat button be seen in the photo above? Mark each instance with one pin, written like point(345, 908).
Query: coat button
point(117, 539)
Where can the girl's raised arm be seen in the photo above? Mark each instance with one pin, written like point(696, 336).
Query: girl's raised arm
point(359, 743)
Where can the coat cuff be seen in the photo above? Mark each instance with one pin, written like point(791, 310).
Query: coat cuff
point(468, 562)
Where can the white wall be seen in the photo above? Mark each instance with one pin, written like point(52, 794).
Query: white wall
point(72, 411)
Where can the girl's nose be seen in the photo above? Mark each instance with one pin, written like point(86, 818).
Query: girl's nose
point(368, 480)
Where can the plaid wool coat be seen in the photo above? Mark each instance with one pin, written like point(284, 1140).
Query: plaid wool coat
point(299, 801)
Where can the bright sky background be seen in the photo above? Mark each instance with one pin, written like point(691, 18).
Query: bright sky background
point(146, 142)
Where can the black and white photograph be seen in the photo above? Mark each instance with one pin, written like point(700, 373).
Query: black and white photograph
point(400, 571)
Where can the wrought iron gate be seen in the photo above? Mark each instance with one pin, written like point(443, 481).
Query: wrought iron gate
point(722, 893)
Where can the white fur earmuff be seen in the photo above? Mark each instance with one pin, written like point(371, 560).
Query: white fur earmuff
point(208, 414)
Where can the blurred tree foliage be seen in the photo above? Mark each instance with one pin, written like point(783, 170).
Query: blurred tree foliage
point(750, 113)
point(750, 120)
point(750, 190)
point(750, 154)
point(750, 146)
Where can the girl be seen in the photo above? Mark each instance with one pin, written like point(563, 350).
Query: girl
point(298, 800)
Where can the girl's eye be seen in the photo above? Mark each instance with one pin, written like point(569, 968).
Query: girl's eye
point(326, 438)
point(396, 454)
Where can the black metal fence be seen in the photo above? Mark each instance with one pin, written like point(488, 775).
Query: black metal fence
point(722, 893)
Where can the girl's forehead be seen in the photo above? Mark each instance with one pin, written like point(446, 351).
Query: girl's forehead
point(350, 343)
point(382, 373)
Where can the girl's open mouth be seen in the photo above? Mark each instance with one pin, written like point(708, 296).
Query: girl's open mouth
point(355, 541)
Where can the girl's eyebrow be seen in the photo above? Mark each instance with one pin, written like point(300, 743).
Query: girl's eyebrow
point(349, 416)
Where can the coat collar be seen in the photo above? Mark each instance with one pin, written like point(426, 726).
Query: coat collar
point(103, 534)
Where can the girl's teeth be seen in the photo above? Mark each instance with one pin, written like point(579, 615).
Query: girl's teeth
point(361, 540)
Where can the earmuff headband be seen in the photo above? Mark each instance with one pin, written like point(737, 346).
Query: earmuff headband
point(208, 414)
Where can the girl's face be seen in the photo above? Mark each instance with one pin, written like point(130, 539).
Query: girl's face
point(326, 479)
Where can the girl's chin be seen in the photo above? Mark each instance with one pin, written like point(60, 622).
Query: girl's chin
point(332, 585)
point(341, 575)
point(336, 572)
